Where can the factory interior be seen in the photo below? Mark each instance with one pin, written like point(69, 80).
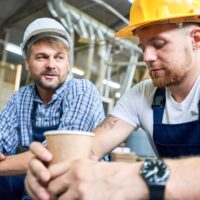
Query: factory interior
point(114, 65)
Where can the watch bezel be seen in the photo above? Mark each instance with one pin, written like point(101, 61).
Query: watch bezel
point(156, 184)
point(157, 171)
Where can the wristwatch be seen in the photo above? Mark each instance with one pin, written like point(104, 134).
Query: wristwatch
point(155, 173)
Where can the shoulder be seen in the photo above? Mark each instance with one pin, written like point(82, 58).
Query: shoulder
point(25, 92)
point(22, 96)
point(78, 86)
point(140, 94)
point(143, 88)
point(25, 89)
point(145, 85)
point(82, 83)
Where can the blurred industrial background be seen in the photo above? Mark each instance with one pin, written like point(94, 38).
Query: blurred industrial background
point(112, 64)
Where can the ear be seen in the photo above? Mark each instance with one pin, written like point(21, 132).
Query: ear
point(196, 38)
point(27, 64)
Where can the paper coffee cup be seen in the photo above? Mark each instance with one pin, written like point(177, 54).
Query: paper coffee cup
point(68, 145)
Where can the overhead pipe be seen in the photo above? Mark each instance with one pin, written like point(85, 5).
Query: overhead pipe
point(63, 16)
point(108, 78)
point(103, 53)
point(129, 73)
point(126, 43)
point(90, 53)
point(111, 9)
point(83, 33)
point(62, 7)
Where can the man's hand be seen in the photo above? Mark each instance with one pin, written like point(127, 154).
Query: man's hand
point(38, 174)
point(82, 179)
point(93, 180)
point(2, 157)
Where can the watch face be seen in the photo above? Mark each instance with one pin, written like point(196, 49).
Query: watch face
point(155, 171)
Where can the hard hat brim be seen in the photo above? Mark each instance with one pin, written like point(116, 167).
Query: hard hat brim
point(128, 32)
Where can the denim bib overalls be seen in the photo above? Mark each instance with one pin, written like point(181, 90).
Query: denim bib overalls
point(174, 140)
point(12, 187)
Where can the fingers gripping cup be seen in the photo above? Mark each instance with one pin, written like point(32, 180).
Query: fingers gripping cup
point(68, 145)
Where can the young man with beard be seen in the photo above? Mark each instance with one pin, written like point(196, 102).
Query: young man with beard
point(167, 107)
point(54, 101)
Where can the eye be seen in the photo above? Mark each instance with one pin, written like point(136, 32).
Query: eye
point(59, 57)
point(40, 57)
point(159, 44)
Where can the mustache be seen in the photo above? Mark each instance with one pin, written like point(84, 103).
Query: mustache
point(49, 72)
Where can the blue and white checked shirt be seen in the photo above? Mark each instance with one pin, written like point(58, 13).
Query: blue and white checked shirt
point(77, 99)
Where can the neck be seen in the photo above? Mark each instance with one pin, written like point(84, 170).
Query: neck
point(45, 95)
point(180, 91)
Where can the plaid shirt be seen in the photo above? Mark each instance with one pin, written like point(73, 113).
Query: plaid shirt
point(76, 105)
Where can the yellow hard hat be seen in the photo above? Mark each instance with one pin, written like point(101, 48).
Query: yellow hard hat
point(147, 12)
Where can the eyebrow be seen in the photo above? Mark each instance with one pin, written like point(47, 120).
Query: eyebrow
point(41, 53)
point(150, 40)
point(46, 54)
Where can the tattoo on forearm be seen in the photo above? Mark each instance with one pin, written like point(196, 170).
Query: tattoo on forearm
point(108, 122)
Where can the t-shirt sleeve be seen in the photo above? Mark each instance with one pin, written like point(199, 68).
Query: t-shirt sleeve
point(129, 106)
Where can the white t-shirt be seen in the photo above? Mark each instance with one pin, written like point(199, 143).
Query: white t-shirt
point(135, 107)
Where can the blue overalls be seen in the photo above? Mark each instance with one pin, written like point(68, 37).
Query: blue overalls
point(12, 187)
point(174, 140)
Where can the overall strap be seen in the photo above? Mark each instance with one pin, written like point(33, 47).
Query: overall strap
point(158, 105)
point(34, 109)
point(199, 109)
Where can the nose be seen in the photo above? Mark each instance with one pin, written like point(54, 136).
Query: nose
point(149, 54)
point(50, 63)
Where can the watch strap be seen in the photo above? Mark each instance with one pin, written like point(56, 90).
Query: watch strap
point(156, 192)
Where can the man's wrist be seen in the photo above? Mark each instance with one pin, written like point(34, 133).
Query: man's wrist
point(155, 173)
point(137, 188)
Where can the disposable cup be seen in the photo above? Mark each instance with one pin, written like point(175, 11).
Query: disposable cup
point(68, 145)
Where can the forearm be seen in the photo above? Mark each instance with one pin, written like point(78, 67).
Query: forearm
point(109, 134)
point(102, 146)
point(184, 179)
point(183, 183)
point(15, 164)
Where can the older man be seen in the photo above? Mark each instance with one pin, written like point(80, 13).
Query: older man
point(54, 101)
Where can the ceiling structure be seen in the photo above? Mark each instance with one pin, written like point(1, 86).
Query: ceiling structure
point(15, 15)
